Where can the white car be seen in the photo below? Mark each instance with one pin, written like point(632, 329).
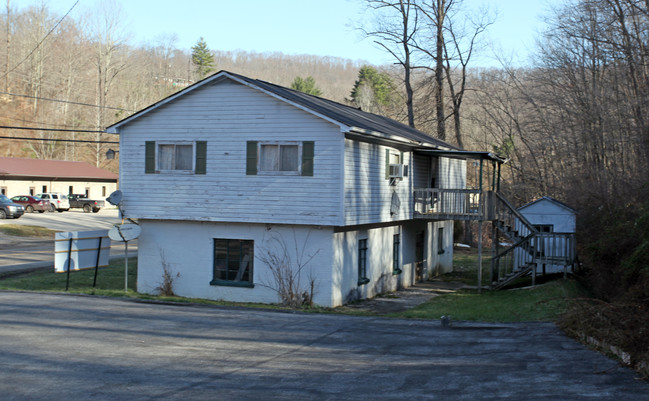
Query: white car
point(58, 201)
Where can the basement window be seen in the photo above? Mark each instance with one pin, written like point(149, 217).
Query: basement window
point(233, 262)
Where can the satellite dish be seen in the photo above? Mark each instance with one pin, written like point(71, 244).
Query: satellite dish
point(124, 232)
point(115, 198)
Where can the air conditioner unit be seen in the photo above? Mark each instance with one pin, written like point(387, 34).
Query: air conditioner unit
point(395, 170)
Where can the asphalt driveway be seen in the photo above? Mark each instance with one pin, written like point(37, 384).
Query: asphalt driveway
point(86, 348)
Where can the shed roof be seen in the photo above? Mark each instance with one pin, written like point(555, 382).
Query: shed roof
point(55, 169)
point(548, 199)
point(350, 119)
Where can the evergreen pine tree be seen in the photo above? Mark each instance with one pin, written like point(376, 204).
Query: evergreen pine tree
point(372, 89)
point(306, 85)
point(202, 58)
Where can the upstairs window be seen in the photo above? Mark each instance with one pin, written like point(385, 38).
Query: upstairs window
point(279, 158)
point(175, 157)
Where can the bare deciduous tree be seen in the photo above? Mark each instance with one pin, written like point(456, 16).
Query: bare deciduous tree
point(395, 30)
point(107, 27)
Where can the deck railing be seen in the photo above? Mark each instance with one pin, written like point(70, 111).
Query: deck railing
point(555, 249)
point(536, 252)
point(443, 203)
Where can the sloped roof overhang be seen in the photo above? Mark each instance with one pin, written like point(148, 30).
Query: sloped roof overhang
point(463, 154)
point(396, 141)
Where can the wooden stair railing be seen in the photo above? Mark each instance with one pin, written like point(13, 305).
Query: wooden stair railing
point(537, 248)
point(509, 265)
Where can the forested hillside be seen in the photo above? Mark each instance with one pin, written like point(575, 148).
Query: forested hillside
point(60, 73)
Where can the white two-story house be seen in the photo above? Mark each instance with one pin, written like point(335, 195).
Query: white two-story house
point(232, 176)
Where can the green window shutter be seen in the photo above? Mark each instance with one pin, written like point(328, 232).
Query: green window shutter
point(387, 164)
point(251, 158)
point(307, 158)
point(201, 157)
point(149, 158)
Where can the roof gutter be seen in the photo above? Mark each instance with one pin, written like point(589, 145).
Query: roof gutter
point(365, 135)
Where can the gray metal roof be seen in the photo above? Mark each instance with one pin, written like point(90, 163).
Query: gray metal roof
point(548, 199)
point(356, 120)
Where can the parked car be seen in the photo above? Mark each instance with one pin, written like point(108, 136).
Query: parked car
point(10, 209)
point(58, 201)
point(32, 203)
point(82, 202)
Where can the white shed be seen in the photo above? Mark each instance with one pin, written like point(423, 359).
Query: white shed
point(548, 215)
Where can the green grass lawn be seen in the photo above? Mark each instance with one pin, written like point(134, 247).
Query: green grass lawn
point(544, 302)
point(541, 303)
point(18, 230)
point(110, 280)
point(465, 267)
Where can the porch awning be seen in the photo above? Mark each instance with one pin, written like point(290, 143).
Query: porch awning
point(462, 154)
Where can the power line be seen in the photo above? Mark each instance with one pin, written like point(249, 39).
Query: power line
point(65, 101)
point(55, 140)
point(22, 120)
point(42, 40)
point(53, 129)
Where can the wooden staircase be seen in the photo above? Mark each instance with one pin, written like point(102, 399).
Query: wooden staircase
point(529, 248)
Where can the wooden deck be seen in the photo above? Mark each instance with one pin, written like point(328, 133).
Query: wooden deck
point(530, 248)
point(451, 204)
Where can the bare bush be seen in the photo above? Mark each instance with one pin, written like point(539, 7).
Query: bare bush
point(166, 287)
point(287, 274)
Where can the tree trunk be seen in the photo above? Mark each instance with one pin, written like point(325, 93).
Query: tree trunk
point(439, 70)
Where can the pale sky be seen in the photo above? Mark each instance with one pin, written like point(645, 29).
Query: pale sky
point(319, 27)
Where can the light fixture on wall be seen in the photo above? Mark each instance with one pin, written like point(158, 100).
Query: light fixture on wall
point(110, 154)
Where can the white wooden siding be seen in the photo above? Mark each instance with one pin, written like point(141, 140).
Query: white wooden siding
point(367, 193)
point(420, 171)
point(452, 173)
point(227, 115)
point(379, 258)
point(547, 212)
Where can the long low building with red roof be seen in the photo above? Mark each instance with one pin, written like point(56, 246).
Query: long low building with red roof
point(33, 176)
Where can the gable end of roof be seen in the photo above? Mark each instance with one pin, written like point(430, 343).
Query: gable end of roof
point(348, 118)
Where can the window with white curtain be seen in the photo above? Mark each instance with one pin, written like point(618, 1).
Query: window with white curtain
point(175, 156)
point(279, 158)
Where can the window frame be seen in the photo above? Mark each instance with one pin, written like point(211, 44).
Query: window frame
point(396, 254)
point(233, 283)
point(362, 262)
point(544, 228)
point(298, 160)
point(440, 241)
point(158, 144)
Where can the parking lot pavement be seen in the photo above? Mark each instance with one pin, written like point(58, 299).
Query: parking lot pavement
point(26, 254)
point(72, 220)
point(79, 347)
